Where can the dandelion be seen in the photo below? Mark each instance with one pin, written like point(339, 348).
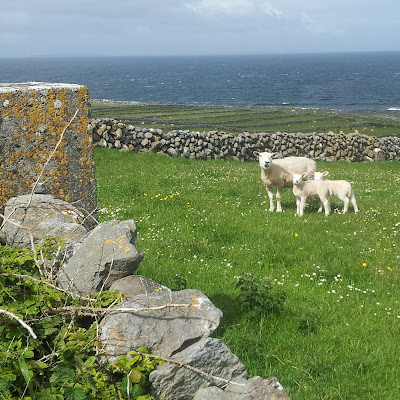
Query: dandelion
point(296, 234)
point(364, 265)
point(389, 269)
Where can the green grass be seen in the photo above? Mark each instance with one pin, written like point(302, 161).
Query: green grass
point(207, 222)
point(251, 119)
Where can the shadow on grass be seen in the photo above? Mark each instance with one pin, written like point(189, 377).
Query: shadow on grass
point(231, 309)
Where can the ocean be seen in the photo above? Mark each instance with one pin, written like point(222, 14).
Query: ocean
point(344, 81)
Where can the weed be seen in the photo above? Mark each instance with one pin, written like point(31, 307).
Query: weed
point(259, 297)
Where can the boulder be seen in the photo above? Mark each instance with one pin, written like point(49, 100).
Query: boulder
point(165, 330)
point(101, 257)
point(267, 389)
point(255, 388)
point(41, 216)
point(133, 285)
point(210, 355)
point(211, 393)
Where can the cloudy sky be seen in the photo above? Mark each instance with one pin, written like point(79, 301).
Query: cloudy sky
point(195, 27)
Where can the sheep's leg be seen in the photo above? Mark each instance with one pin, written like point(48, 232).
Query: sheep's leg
point(271, 198)
point(302, 205)
point(298, 205)
point(278, 199)
point(346, 205)
point(353, 201)
point(321, 204)
point(327, 206)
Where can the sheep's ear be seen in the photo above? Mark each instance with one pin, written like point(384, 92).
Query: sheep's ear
point(304, 175)
point(291, 173)
point(275, 155)
point(256, 153)
point(325, 173)
point(312, 173)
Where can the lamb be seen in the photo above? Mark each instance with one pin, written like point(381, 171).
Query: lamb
point(341, 189)
point(302, 190)
point(275, 173)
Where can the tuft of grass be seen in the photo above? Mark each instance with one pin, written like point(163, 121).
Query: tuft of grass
point(205, 224)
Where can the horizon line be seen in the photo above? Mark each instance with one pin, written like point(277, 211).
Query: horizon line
point(202, 55)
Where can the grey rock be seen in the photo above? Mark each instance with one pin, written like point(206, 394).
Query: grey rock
point(41, 216)
point(210, 355)
point(103, 255)
point(134, 285)
point(258, 388)
point(255, 388)
point(41, 188)
point(211, 393)
point(163, 331)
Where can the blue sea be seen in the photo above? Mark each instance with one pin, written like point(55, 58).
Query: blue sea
point(344, 81)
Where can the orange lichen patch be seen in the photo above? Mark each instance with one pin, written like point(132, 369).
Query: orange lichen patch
point(36, 120)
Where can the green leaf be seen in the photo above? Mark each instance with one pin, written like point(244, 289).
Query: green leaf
point(68, 354)
point(90, 361)
point(135, 376)
point(143, 349)
point(29, 354)
point(62, 374)
point(38, 364)
point(24, 370)
point(9, 377)
point(75, 393)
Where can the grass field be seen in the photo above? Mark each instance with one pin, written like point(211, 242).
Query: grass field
point(205, 224)
point(251, 119)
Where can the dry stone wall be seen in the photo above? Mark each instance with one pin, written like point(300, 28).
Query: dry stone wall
point(33, 116)
point(211, 145)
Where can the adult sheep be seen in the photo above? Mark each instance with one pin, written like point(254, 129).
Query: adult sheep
point(275, 173)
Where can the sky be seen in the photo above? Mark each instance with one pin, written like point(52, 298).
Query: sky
point(59, 28)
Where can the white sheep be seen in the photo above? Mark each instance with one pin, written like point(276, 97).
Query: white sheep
point(341, 189)
point(303, 189)
point(275, 173)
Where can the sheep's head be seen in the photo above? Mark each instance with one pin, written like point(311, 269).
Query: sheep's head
point(298, 178)
point(265, 159)
point(319, 176)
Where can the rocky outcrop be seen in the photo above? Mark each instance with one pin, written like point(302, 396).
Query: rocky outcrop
point(38, 217)
point(173, 325)
point(104, 255)
point(255, 388)
point(219, 145)
point(209, 355)
point(132, 285)
point(173, 321)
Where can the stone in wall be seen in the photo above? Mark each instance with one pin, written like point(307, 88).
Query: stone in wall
point(33, 116)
